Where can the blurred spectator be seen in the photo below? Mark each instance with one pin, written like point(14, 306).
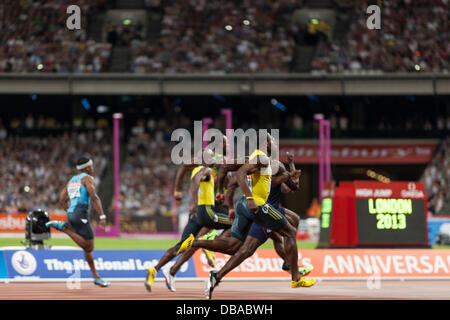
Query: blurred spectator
point(3, 132)
point(147, 176)
point(314, 209)
point(436, 179)
point(111, 33)
point(33, 170)
point(343, 122)
point(29, 122)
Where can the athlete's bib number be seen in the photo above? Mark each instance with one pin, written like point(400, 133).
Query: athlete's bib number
point(74, 190)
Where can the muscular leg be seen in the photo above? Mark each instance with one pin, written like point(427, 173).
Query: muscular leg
point(278, 241)
point(292, 217)
point(86, 245)
point(192, 227)
point(279, 245)
point(290, 244)
point(227, 245)
point(79, 240)
point(90, 258)
point(187, 254)
point(246, 250)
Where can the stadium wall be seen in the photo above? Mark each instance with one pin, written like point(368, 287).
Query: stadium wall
point(231, 84)
point(69, 265)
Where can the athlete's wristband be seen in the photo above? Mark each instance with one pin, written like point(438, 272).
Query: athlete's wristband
point(102, 217)
point(248, 198)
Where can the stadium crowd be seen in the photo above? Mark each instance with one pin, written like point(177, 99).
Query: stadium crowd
point(147, 176)
point(28, 164)
point(437, 180)
point(224, 37)
point(414, 36)
point(34, 38)
point(212, 36)
point(33, 171)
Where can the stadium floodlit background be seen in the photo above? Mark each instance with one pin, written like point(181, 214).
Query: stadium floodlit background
point(164, 64)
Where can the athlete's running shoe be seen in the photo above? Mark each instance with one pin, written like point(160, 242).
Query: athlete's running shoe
point(305, 270)
point(211, 284)
point(170, 280)
point(210, 235)
point(102, 283)
point(303, 282)
point(58, 225)
point(210, 257)
point(187, 244)
point(150, 278)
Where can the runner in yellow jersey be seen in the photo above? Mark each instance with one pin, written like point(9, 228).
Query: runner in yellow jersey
point(253, 207)
point(169, 271)
point(201, 214)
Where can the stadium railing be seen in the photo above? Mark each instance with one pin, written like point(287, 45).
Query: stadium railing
point(233, 84)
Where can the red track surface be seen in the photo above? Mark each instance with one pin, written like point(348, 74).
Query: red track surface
point(231, 290)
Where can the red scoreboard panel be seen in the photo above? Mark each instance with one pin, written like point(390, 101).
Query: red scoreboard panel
point(375, 214)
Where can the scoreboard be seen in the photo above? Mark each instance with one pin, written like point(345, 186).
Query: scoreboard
point(325, 214)
point(375, 214)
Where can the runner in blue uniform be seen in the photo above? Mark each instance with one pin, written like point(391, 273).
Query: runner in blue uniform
point(75, 197)
point(257, 234)
point(254, 238)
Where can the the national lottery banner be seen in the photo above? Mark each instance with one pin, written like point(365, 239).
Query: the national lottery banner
point(66, 264)
point(42, 265)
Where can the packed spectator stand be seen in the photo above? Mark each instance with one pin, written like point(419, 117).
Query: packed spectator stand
point(414, 36)
point(34, 38)
point(437, 180)
point(34, 169)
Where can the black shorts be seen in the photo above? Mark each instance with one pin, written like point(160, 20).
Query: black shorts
point(221, 208)
point(206, 217)
point(267, 216)
point(261, 233)
point(79, 222)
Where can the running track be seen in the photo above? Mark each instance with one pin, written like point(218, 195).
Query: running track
point(231, 290)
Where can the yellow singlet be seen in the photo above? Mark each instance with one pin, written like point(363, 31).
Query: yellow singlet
point(260, 181)
point(215, 172)
point(206, 189)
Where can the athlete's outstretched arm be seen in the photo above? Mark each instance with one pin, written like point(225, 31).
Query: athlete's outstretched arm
point(285, 188)
point(64, 198)
point(288, 179)
point(223, 171)
point(203, 174)
point(241, 176)
point(179, 179)
point(294, 184)
point(89, 183)
point(281, 176)
point(293, 180)
point(231, 187)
